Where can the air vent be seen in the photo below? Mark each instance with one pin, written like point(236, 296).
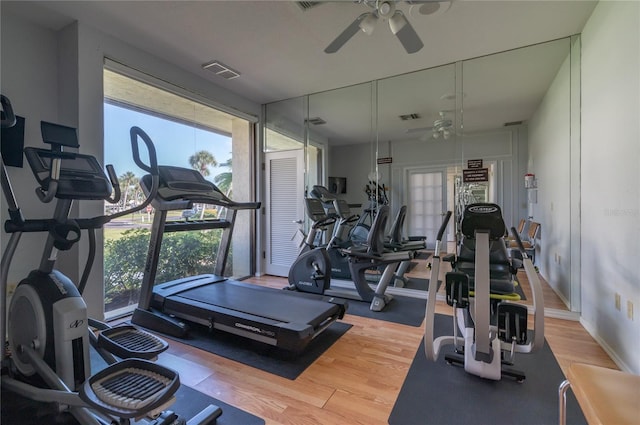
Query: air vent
point(409, 117)
point(306, 5)
point(316, 121)
point(509, 124)
point(221, 69)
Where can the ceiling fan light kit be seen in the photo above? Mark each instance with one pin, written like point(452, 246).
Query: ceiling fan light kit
point(368, 23)
point(398, 23)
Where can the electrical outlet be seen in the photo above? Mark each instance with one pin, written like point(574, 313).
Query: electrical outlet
point(629, 310)
point(617, 301)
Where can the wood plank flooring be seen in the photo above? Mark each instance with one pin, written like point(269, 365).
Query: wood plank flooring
point(356, 381)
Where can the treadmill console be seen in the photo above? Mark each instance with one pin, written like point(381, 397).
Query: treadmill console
point(181, 187)
point(186, 181)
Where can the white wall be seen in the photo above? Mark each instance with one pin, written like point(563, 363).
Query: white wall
point(57, 76)
point(611, 178)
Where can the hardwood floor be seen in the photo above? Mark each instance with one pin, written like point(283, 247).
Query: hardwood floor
point(356, 381)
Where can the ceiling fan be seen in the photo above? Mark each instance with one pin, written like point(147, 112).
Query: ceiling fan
point(398, 23)
point(442, 127)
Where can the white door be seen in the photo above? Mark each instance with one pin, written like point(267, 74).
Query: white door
point(284, 207)
point(426, 203)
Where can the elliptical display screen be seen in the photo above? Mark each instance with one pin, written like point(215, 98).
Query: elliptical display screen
point(77, 164)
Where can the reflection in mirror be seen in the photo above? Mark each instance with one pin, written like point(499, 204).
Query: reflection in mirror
point(516, 121)
point(499, 116)
point(341, 124)
point(284, 139)
point(417, 144)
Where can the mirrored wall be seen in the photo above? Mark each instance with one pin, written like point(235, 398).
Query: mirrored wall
point(440, 138)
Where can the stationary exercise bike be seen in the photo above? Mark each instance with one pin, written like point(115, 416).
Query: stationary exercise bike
point(311, 271)
point(48, 327)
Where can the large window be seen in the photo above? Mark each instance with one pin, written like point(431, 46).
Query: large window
point(186, 133)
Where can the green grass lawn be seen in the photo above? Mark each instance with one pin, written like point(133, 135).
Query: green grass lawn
point(115, 229)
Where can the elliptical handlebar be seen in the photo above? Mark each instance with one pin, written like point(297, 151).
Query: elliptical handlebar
point(431, 348)
point(9, 119)
point(46, 196)
point(443, 227)
point(115, 184)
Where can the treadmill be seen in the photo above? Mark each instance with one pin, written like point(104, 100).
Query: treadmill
point(284, 319)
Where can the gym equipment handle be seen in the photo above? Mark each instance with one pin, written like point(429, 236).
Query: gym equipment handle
point(9, 119)
point(152, 168)
point(443, 227)
point(516, 236)
point(111, 172)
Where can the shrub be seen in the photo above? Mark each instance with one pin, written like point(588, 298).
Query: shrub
point(182, 254)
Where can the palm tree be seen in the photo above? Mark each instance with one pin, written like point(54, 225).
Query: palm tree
point(129, 183)
point(224, 180)
point(201, 161)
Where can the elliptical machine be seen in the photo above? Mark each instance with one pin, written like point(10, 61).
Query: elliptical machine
point(48, 328)
point(488, 328)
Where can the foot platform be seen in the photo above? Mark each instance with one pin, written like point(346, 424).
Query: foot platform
point(127, 341)
point(130, 388)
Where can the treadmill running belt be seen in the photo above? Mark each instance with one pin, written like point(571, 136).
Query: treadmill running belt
point(277, 305)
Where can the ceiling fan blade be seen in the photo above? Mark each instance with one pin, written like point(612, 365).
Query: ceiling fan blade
point(409, 38)
point(346, 35)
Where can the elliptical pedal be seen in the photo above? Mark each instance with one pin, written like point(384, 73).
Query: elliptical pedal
point(127, 341)
point(130, 388)
point(512, 323)
point(457, 287)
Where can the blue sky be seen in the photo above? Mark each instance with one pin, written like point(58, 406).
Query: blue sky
point(174, 142)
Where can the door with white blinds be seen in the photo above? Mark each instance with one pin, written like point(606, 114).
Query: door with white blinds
point(284, 207)
point(425, 204)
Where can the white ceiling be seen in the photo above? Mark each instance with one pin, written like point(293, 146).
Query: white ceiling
point(279, 48)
